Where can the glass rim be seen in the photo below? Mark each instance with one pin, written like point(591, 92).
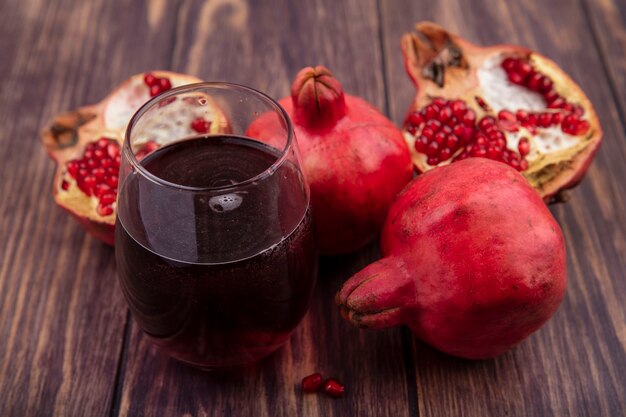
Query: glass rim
point(215, 85)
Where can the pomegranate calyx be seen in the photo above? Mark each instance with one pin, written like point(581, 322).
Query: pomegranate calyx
point(63, 131)
point(318, 98)
point(430, 51)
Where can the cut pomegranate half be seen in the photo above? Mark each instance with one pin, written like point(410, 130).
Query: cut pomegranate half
point(504, 102)
point(86, 144)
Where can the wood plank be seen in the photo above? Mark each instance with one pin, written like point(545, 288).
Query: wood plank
point(62, 315)
point(263, 44)
point(608, 27)
point(572, 366)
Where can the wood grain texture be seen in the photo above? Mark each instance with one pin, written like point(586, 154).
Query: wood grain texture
point(61, 313)
point(574, 365)
point(63, 346)
point(607, 20)
point(263, 44)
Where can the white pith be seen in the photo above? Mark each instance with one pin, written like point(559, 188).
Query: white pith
point(116, 112)
point(501, 94)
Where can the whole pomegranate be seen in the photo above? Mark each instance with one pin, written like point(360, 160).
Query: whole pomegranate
point(354, 159)
point(473, 262)
point(86, 144)
point(504, 102)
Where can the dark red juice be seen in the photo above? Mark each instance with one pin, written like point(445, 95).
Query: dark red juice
point(217, 277)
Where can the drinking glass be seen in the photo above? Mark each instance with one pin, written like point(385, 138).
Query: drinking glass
point(214, 244)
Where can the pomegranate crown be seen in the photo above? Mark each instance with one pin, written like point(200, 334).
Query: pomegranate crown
point(318, 98)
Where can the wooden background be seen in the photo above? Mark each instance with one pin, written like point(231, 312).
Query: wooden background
point(67, 344)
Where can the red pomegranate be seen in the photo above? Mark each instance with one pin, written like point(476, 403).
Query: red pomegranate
point(473, 262)
point(504, 102)
point(86, 144)
point(354, 159)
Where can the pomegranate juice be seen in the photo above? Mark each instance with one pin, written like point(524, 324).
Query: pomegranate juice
point(219, 277)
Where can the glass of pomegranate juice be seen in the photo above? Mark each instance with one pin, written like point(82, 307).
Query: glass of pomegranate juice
point(214, 243)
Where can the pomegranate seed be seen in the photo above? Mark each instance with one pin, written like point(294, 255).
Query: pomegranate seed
point(568, 107)
point(469, 118)
point(444, 114)
point(431, 111)
point(523, 147)
point(98, 173)
point(82, 172)
point(445, 154)
point(509, 64)
point(105, 163)
point(458, 108)
point(451, 122)
point(72, 168)
point(557, 103)
point(415, 119)
point(515, 77)
point(104, 210)
point(113, 149)
point(481, 141)
point(452, 141)
point(155, 90)
point(432, 149)
point(486, 122)
point(506, 116)
point(438, 101)
point(112, 181)
point(544, 120)
point(334, 388)
point(458, 130)
point(583, 127)
point(524, 69)
point(89, 181)
point(507, 121)
point(578, 110)
point(432, 161)
point(421, 143)
point(312, 383)
point(65, 185)
point(88, 154)
point(433, 124)
point(412, 129)
point(101, 189)
point(523, 165)
point(107, 199)
point(545, 85)
point(165, 84)
point(150, 79)
point(467, 134)
point(482, 103)
point(534, 81)
point(550, 96)
point(557, 118)
point(494, 152)
point(521, 116)
point(428, 132)
point(440, 137)
point(531, 120)
point(479, 152)
point(494, 135)
point(201, 125)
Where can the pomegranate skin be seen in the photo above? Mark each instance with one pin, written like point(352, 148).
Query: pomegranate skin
point(473, 262)
point(354, 159)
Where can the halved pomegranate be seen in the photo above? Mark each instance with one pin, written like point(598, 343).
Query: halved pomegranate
point(86, 144)
point(504, 102)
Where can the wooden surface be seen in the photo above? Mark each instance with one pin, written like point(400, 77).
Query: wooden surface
point(68, 346)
